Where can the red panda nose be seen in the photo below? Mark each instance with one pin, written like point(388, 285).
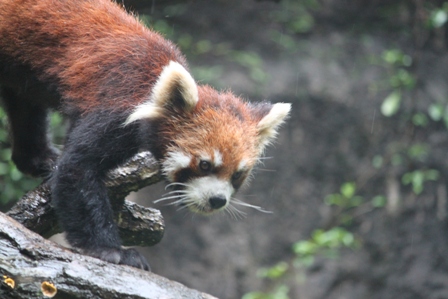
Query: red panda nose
point(217, 202)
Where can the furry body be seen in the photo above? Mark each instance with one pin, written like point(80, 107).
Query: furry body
point(124, 88)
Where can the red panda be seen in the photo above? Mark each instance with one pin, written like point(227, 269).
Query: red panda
point(124, 88)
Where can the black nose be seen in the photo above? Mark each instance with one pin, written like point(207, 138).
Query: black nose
point(217, 202)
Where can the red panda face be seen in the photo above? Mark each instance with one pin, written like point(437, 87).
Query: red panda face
point(202, 182)
point(211, 151)
point(206, 165)
point(208, 141)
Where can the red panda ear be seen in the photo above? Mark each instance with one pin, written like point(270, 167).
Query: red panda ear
point(268, 125)
point(175, 87)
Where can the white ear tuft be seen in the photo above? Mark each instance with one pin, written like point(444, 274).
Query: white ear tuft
point(268, 125)
point(175, 87)
point(147, 110)
point(175, 78)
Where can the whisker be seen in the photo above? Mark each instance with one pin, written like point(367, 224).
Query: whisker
point(169, 197)
point(229, 210)
point(235, 213)
point(265, 169)
point(240, 203)
point(175, 184)
point(186, 204)
point(176, 191)
point(182, 200)
point(231, 213)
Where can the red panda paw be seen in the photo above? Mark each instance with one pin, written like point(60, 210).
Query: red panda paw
point(130, 257)
point(133, 258)
point(36, 164)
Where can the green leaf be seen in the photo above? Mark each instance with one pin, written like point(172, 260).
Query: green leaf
point(396, 57)
point(348, 189)
point(256, 295)
point(445, 116)
point(392, 56)
point(377, 161)
point(305, 248)
point(416, 178)
point(379, 201)
point(397, 160)
point(418, 152)
point(304, 261)
point(436, 111)
point(402, 78)
point(335, 199)
point(274, 272)
point(420, 119)
point(391, 104)
point(432, 174)
point(438, 18)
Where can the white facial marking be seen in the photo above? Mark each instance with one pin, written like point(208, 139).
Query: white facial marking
point(174, 162)
point(205, 157)
point(217, 158)
point(200, 190)
point(242, 165)
point(172, 79)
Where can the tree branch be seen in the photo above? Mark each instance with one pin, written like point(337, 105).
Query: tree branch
point(138, 225)
point(31, 266)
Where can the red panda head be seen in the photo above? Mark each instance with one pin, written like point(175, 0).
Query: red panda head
point(209, 141)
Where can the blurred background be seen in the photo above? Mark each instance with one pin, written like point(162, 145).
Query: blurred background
point(357, 181)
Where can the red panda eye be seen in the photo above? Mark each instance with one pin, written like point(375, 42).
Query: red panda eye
point(237, 175)
point(205, 165)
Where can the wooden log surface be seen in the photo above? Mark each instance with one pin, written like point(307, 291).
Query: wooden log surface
point(33, 267)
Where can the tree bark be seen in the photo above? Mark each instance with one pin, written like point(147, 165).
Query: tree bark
point(33, 267)
point(139, 226)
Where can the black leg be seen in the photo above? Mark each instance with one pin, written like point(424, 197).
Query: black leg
point(32, 151)
point(96, 143)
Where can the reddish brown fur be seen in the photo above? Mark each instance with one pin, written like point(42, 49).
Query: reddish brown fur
point(97, 54)
point(100, 63)
point(219, 122)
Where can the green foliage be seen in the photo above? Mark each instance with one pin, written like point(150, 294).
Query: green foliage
point(14, 183)
point(326, 243)
point(399, 79)
point(417, 178)
point(420, 119)
point(396, 57)
point(391, 103)
point(292, 18)
point(323, 242)
point(275, 272)
point(253, 62)
point(12, 180)
point(295, 16)
point(346, 198)
point(280, 292)
point(438, 112)
point(438, 17)
point(250, 61)
point(379, 201)
point(418, 152)
point(407, 156)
